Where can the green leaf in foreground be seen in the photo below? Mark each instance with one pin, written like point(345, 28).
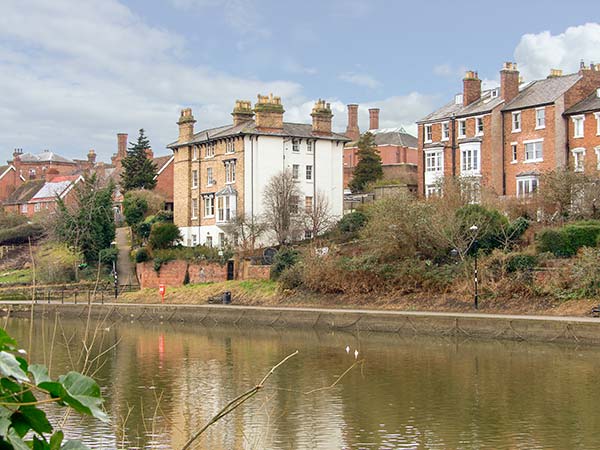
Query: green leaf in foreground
point(10, 367)
point(74, 445)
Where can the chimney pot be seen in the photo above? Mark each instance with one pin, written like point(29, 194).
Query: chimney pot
point(186, 125)
point(471, 88)
point(509, 81)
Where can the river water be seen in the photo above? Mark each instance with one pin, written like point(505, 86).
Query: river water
point(162, 382)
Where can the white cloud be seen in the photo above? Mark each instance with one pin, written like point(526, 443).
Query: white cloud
point(360, 79)
point(537, 53)
point(293, 66)
point(73, 75)
point(449, 71)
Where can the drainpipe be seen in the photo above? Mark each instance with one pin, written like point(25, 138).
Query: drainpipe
point(503, 137)
point(453, 150)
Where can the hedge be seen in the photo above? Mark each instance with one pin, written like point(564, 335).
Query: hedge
point(20, 234)
point(566, 241)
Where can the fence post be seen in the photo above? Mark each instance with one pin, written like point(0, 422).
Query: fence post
point(75, 296)
point(62, 296)
point(88, 296)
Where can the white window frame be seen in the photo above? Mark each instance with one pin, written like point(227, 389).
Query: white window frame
point(296, 145)
point(209, 206)
point(210, 150)
point(296, 171)
point(427, 133)
point(514, 150)
point(309, 146)
point(309, 172)
point(528, 181)
point(470, 159)
point(225, 208)
point(462, 128)
point(194, 240)
point(514, 119)
point(433, 190)
point(578, 159)
point(537, 119)
point(576, 120)
point(194, 153)
point(535, 159)
point(597, 116)
point(210, 180)
point(24, 208)
point(294, 204)
point(230, 146)
point(37, 207)
point(308, 204)
point(209, 241)
point(194, 208)
point(445, 131)
point(597, 150)
point(230, 172)
point(195, 179)
point(437, 158)
point(479, 120)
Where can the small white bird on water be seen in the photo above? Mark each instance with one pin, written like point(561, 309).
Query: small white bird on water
point(355, 354)
point(347, 349)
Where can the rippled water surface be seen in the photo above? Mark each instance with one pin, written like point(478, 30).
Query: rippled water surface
point(163, 382)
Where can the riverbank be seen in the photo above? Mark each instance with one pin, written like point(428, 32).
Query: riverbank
point(267, 293)
point(535, 328)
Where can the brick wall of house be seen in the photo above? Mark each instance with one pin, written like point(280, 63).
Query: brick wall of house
point(164, 183)
point(391, 156)
point(181, 186)
point(590, 141)
point(528, 132)
point(8, 184)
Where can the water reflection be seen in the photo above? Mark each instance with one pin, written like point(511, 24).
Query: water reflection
point(163, 382)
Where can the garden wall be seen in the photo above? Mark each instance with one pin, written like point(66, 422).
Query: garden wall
point(172, 273)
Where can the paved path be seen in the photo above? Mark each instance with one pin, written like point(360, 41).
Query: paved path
point(125, 267)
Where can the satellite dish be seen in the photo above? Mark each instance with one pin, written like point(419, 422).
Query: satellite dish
point(268, 255)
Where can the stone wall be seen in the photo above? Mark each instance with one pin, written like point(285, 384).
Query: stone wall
point(172, 273)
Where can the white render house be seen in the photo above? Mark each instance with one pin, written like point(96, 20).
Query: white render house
point(223, 171)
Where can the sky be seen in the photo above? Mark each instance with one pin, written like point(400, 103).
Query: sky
point(74, 73)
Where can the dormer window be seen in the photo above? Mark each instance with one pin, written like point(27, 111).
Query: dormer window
point(494, 93)
point(458, 99)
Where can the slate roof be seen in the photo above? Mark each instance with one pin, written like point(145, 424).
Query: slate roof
point(299, 130)
point(45, 156)
point(394, 136)
point(3, 169)
point(54, 187)
point(484, 105)
point(591, 103)
point(25, 192)
point(160, 161)
point(542, 92)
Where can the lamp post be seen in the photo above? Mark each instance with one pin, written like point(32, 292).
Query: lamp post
point(474, 229)
point(115, 273)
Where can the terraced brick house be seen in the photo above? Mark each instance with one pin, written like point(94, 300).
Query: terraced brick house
point(223, 171)
point(502, 138)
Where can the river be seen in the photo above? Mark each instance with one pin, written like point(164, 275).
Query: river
point(162, 382)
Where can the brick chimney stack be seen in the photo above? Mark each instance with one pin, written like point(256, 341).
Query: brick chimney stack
point(269, 113)
point(352, 130)
point(509, 81)
point(186, 125)
point(121, 145)
point(149, 153)
point(373, 118)
point(321, 118)
point(471, 88)
point(242, 112)
point(91, 156)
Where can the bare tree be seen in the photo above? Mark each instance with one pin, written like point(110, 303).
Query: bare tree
point(281, 204)
point(245, 231)
point(317, 216)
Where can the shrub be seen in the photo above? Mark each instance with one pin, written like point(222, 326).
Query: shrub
point(141, 255)
point(284, 258)
point(191, 254)
point(566, 241)
point(291, 277)
point(586, 276)
point(108, 255)
point(353, 222)
point(20, 234)
point(520, 262)
point(164, 235)
point(134, 208)
point(491, 224)
point(57, 263)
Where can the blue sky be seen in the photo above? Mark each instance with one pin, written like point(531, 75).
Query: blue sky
point(73, 73)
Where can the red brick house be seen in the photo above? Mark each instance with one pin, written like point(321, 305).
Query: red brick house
point(583, 131)
point(502, 138)
point(37, 196)
point(397, 148)
point(10, 180)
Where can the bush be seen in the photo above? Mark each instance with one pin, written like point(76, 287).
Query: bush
point(291, 278)
point(20, 234)
point(134, 208)
point(284, 258)
point(586, 276)
point(520, 262)
point(108, 255)
point(164, 235)
point(57, 263)
point(141, 255)
point(353, 222)
point(490, 222)
point(566, 241)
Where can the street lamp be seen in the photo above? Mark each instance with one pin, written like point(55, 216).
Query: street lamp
point(474, 229)
point(115, 273)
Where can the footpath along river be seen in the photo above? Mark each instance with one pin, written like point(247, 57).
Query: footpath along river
point(162, 382)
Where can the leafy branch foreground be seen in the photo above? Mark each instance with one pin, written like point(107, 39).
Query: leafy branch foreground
point(22, 383)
